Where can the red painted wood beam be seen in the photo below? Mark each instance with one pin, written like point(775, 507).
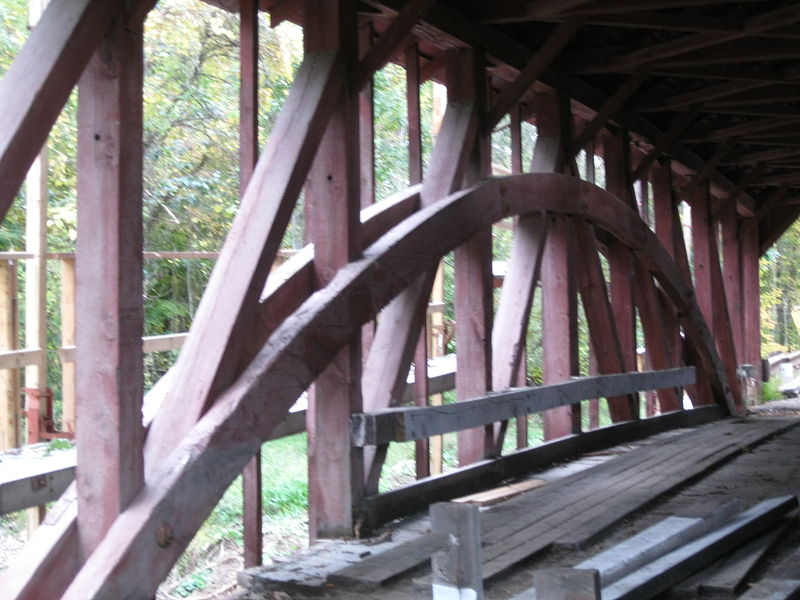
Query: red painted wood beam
point(513, 311)
point(619, 258)
point(668, 230)
point(656, 333)
point(414, 115)
point(248, 156)
point(473, 308)
point(751, 300)
point(559, 306)
point(422, 447)
point(522, 369)
point(732, 275)
point(473, 267)
point(722, 324)
point(174, 505)
point(109, 375)
point(366, 123)
point(335, 477)
point(700, 393)
point(660, 328)
point(39, 81)
point(208, 360)
point(599, 316)
point(702, 232)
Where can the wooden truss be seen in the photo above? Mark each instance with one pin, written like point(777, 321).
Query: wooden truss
point(259, 340)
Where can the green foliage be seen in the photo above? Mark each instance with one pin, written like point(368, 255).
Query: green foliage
point(780, 273)
point(194, 582)
point(770, 391)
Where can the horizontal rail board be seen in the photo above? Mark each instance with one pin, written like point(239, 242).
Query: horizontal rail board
point(415, 497)
point(16, 359)
point(406, 424)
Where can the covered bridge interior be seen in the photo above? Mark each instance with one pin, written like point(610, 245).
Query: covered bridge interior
point(689, 108)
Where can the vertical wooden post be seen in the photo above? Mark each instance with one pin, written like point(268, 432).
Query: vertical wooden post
point(732, 273)
point(422, 455)
point(68, 339)
point(723, 333)
point(366, 123)
point(437, 295)
point(437, 327)
point(36, 274)
point(751, 301)
point(594, 403)
point(516, 168)
point(9, 378)
point(559, 323)
point(473, 272)
point(109, 283)
point(413, 112)
point(414, 116)
point(702, 229)
point(335, 474)
point(457, 568)
point(619, 258)
point(248, 156)
point(559, 307)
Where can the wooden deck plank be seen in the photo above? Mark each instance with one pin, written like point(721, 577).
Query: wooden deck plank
point(417, 496)
point(551, 502)
point(543, 504)
point(507, 548)
point(381, 568)
point(774, 589)
point(661, 574)
point(726, 576)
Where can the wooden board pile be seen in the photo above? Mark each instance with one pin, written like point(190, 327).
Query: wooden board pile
point(691, 557)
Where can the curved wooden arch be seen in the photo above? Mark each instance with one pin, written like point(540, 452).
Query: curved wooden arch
point(148, 537)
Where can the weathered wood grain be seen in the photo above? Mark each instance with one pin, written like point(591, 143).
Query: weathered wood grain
point(566, 584)
point(109, 282)
point(404, 424)
point(659, 575)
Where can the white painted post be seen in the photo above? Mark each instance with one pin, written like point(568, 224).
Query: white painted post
point(457, 569)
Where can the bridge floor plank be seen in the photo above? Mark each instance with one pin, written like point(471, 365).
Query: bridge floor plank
point(566, 514)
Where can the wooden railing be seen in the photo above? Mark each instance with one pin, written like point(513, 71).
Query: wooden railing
point(404, 424)
point(412, 423)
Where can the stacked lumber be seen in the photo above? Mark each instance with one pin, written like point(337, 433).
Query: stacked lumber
point(575, 511)
point(652, 562)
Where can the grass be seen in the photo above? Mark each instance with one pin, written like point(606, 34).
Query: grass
point(770, 391)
